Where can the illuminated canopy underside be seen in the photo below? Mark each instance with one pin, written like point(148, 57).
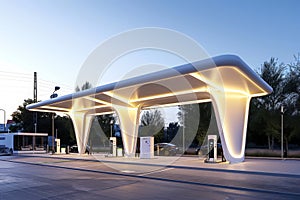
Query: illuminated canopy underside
point(226, 81)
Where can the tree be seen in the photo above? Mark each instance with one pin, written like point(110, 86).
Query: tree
point(106, 122)
point(256, 123)
point(85, 86)
point(198, 120)
point(293, 87)
point(152, 123)
point(101, 129)
point(172, 130)
point(24, 122)
point(25, 119)
point(65, 130)
point(292, 102)
point(264, 118)
point(274, 74)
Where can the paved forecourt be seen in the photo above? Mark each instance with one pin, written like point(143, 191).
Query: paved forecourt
point(99, 177)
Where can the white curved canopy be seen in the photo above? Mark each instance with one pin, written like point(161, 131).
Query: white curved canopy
point(226, 81)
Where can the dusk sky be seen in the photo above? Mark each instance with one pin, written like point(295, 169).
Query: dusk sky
point(55, 37)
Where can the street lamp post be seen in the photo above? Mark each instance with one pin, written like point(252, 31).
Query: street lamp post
point(4, 119)
point(281, 132)
point(53, 95)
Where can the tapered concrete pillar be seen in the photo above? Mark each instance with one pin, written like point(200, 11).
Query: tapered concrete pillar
point(129, 124)
point(231, 111)
point(82, 124)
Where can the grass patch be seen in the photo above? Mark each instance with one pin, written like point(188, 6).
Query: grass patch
point(271, 153)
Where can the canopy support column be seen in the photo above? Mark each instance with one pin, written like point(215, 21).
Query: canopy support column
point(231, 111)
point(82, 124)
point(129, 124)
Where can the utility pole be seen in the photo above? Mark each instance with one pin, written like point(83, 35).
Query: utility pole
point(53, 95)
point(35, 100)
point(282, 132)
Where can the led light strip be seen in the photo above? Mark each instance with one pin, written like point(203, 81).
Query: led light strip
point(50, 111)
point(103, 113)
point(56, 108)
point(97, 100)
point(178, 104)
point(204, 89)
point(117, 97)
point(94, 107)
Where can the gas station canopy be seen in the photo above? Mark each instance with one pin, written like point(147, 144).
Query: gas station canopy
point(227, 81)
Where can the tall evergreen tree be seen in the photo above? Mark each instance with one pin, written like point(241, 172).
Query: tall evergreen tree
point(274, 74)
point(264, 119)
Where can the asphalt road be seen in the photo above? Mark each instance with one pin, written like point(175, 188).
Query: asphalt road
point(49, 177)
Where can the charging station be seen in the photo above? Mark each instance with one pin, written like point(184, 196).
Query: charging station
point(146, 147)
point(212, 148)
point(57, 141)
point(113, 146)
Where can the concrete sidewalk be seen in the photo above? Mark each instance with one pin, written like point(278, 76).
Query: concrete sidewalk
point(73, 176)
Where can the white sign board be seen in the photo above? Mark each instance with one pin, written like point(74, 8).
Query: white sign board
point(146, 147)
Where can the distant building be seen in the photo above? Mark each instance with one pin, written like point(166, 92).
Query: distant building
point(5, 128)
point(2, 128)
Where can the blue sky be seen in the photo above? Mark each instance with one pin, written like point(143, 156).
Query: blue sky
point(55, 37)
